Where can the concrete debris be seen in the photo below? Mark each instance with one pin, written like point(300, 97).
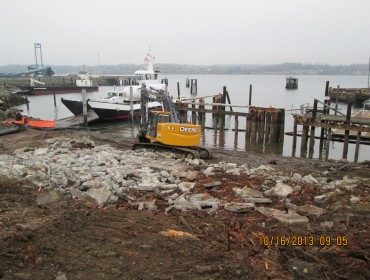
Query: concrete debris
point(239, 207)
point(79, 169)
point(212, 185)
point(310, 210)
point(280, 190)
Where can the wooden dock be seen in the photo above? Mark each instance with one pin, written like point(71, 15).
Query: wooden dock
point(263, 126)
point(355, 125)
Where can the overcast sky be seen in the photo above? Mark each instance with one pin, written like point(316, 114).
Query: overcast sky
point(77, 32)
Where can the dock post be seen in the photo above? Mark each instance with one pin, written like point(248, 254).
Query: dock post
point(84, 106)
point(294, 145)
point(312, 132)
point(346, 132)
point(250, 94)
point(247, 126)
point(261, 125)
point(281, 115)
point(253, 125)
point(327, 144)
point(304, 141)
point(55, 100)
point(268, 122)
point(236, 132)
point(131, 105)
point(27, 103)
point(178, 90)
point(274, 131)
point(357, 149)
point(193, 113)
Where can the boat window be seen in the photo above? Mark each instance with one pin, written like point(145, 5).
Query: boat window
point(120, 94)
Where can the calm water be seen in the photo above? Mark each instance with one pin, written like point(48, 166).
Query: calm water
point(268, 90)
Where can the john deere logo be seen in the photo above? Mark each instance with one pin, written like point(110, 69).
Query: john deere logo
point(187, 129)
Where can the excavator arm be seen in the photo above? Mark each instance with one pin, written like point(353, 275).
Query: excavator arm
point(165, 129)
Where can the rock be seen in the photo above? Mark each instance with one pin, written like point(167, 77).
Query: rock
point(354, 199)
point(326, 225)
point(92, 184)
point(257, 200)
point(280, 190)
point(209, 171)
point(247, 193)
point(322, 198)
point(212, 184)
point(310, 210)
point(84, 176)
point(41, 151)
point(192, 176)
point(310, 179)
point(185, 187)
point(239, 207)
point(100, 196)
point(77, 194)
point(204, 200)
point(48, 199)
point(61, 276)
point(292, 217)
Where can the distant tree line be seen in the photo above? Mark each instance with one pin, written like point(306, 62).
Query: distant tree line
point(184, 69)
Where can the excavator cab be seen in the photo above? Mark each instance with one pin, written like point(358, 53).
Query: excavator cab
point(162, 130)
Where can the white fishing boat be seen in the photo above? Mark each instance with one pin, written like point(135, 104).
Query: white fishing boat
point(117, 104)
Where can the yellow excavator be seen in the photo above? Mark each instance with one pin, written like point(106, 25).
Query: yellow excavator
point(162, 130)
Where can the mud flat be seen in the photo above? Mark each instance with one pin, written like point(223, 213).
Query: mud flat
point(79, 204)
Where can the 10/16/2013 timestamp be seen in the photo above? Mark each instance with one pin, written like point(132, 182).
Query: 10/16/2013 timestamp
point(300, 240)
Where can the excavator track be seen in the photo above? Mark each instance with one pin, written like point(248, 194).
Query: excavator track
point(192, 153)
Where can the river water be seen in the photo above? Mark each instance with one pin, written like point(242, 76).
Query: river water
point(267, 90)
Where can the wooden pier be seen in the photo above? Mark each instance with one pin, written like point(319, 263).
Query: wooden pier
point(328, 123)
point(262, 125)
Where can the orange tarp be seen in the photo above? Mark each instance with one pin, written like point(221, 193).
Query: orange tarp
point(35, 123)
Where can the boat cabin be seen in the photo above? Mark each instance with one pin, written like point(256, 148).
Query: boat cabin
point(291, 83)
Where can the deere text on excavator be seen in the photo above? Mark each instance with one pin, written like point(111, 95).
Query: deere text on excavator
point(162, 130)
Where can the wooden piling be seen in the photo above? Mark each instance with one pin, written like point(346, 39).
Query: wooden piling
point(261, 125)
point(236, 132)
point(294, 145)
point(84, 106)
point(193, 113)
point(253, 125)
point(304, 141)
point(357, 149)
point(312, 131)
point(346, 132)
point(178, 90)
point(274, 132)
point(267, 129)
point(328, 137)
point(248, 127)
point(250, 95)
point(281, 118)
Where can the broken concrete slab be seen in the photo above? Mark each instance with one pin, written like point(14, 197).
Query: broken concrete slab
point(280, 190)
point(310, 210)
point(239, 207)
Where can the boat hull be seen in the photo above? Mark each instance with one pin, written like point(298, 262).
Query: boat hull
point(75, 106)
point(40, 90)
point(115, 112)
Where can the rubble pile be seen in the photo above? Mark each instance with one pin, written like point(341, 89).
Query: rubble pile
point(158, 181)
